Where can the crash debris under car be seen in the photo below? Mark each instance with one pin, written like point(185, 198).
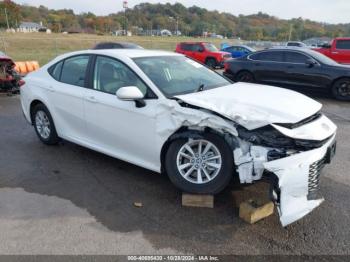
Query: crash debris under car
point(168, 113)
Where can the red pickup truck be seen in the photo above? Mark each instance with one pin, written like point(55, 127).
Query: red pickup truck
point(204, 52)
point(338, 50)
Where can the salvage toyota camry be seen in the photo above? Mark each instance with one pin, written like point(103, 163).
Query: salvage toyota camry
point(168, 113)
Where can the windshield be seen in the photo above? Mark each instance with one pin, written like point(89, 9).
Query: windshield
point(322, 58)
point(2, 54)
point(210, 47)
point(178, 75)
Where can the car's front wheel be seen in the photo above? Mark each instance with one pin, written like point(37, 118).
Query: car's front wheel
point(341, 89)
point(44, 125)
point(201, 166)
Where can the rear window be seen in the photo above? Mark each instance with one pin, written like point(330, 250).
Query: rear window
point(343, 44)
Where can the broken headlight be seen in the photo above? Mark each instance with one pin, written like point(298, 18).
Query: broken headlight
point(268, 136)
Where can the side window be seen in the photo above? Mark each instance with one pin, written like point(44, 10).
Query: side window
point(294, 57)
point(274, 56)
point(343, 44)
point(186, 47)
point(110, 75)
point(55, 70)
point(197, 47)
point(74, 70)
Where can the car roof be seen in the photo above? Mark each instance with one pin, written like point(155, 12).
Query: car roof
point(198, 42)
point(131, 53)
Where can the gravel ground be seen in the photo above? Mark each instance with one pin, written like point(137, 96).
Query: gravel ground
point(70, 200)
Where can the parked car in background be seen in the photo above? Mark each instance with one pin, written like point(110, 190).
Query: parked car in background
point(238, 50)
point(168, 113)
point(204, 52)
point(10, 80)
point(338, 50)
point(116, 45)
point(296, 68)
point(296, 44)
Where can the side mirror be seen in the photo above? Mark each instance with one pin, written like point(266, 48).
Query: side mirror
point(311, 62)
point(201, 50)
point(131, 93)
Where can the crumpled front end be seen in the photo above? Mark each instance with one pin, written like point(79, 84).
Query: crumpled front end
point(294, 167)
point(298, 181)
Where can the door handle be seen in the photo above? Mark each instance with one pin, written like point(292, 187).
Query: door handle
point(51, 89)
point(334, 52)
point(91, 99)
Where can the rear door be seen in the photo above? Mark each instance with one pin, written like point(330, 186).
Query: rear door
point(198, 53)
point(66, 96)
point(302, 75)
point(269, 67)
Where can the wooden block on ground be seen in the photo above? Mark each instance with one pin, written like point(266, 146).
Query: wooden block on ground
point(257, 191)
point(252, 211)
point(190, 200)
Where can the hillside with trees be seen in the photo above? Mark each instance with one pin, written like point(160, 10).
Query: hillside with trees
point(192, 21)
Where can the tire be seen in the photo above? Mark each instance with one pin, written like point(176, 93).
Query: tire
point(341, 89)
point(211, 179)
point(245, 76)
point(44, 125)
point(211, 62)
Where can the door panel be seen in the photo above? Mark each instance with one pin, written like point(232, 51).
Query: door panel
point(269, 68)
point(66, 97)
point(118, 127)
point(301, 75)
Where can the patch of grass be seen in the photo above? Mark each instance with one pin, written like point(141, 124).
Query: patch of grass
point(44, 47)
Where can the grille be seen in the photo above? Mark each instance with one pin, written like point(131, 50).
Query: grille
point(314, 179)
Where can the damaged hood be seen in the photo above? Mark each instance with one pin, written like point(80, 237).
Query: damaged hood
point(253, 106)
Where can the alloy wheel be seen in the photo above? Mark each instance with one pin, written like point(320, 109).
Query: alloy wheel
point(42, 124)
point(199, 161)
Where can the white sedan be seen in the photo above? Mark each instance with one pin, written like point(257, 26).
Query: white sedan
point(170, 114)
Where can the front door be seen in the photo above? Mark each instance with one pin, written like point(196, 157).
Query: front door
point(117, 127)
point(302, 75)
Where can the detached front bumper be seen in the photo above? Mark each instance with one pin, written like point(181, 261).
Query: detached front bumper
point(298, 181)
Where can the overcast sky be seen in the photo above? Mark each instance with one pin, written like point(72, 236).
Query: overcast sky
point(330, 11)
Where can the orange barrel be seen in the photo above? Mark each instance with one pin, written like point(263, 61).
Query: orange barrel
point(35, 64)
point(30, 67)
point(21, 67)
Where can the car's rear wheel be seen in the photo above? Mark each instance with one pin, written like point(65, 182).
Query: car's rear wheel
point(44, 125)
point(245, 76)
point(202, 165)
point(211, 62)
point(341, 89)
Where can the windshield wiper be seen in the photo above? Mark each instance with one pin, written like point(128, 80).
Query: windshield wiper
point(200, 88)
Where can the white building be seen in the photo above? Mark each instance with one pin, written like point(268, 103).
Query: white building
point(28, 27)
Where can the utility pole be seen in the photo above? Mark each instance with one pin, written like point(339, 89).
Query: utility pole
point(290, 32)
point(7, 19)
point(125, 6)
